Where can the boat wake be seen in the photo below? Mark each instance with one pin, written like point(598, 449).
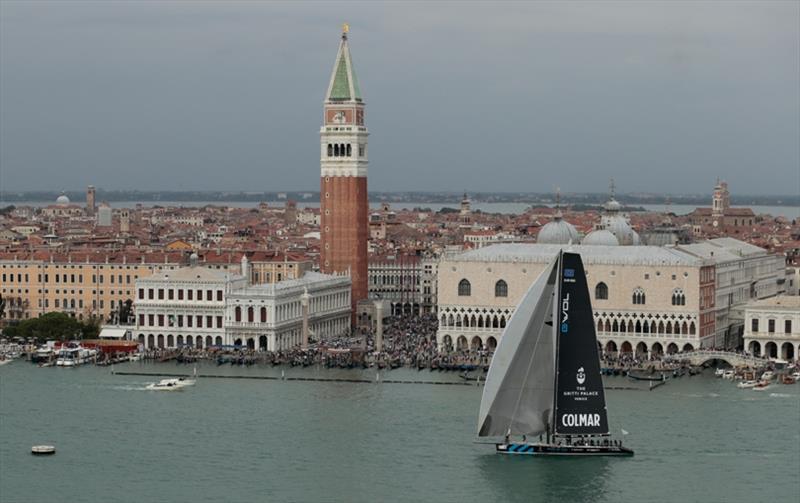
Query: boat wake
point(781, 395)
point(130, 388)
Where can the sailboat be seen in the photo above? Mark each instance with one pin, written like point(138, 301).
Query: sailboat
point(544, 392)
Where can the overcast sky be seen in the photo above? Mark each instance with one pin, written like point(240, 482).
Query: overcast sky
point(664, 97)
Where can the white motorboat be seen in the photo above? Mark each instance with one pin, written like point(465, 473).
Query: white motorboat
point(761, 386)
point(796, 375)
point(767, 376)
point(729, 374)
point(74, 355)
point(747, 384)
point(135, 357)
point(171, 384)
point(719, 372)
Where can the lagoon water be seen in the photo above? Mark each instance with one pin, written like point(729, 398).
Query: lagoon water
point(244, 440)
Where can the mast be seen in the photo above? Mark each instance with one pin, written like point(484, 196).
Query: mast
point(557, 339)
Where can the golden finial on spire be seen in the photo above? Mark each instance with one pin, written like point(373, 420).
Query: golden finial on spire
point(345, 28)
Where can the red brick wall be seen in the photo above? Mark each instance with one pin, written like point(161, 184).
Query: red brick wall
point(344, 229)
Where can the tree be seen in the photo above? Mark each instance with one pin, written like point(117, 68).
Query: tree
point(2, 307)
point(59, 326)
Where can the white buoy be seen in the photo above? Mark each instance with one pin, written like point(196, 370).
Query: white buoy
point(42, 450)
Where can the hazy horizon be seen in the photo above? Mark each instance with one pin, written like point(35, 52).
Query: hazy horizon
point(514, 97)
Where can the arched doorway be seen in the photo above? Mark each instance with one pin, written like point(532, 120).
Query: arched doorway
point(262, 343)
point(611, 347)
point(189, 340)
point(170, 341)
point(218, 341)
point(461, 343)
point(209, 341)
point(626, 347)
point(447, 342)
point(491, 343)
point(251, 343)
point(237, 342)
point(672, 348)
point(687, 347)
point(771, 350)
point(160, 340)
point(787, 351)
point(179, 340)
point(754, 348)
point(141, 339)
point(641, 349)
point(198, 341)
point(476, 344)
point(657, 349)
point(151, 341)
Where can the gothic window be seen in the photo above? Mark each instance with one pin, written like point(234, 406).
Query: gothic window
point(336, 150)
point(601, 291)
point(464, 288)
point(638, 296)
point(501, 289)
point(349, 150)
point(678, 297)
point(330, 150)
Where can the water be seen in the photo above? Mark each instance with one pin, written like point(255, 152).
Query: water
point(696, 439)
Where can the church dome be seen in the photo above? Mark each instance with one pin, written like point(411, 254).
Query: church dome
point(612, 205)
point(62, 200)
point(600, 237)
point(618, 226)
point(558, 232)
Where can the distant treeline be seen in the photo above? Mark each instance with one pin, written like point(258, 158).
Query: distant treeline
point(573, 199)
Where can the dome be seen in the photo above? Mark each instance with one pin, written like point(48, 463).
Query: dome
point(558, 232)
point(620, 228)
point(62, 200)
point(612, 205)
point(600, 237)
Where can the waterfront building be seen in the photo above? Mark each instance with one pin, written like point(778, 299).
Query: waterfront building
point(646, 299)
point(185, 306)
point(772, 327)
point(744, 272)
point(343, 187)
point(199, 307)
point(270, 316)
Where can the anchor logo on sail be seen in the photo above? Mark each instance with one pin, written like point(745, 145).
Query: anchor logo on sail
point(581, 377)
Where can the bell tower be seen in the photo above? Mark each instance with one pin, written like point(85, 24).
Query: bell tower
point(343, 185)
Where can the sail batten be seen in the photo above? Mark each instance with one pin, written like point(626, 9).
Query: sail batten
point(518, 393)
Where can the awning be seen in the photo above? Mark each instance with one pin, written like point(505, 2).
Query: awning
point(113, 333)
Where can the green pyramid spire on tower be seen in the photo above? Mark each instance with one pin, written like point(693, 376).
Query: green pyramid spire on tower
point(344, 84)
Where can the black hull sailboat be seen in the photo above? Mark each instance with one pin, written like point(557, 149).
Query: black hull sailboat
point(545, 378)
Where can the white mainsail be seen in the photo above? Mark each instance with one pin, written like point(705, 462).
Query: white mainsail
point(519, 389)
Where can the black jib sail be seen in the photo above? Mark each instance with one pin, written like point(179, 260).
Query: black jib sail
point(579, 398)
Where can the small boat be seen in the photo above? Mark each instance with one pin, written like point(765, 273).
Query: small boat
point(761, 386)
point(74, 355)
point(135, 357)
point(719, 372)
point(171, 384)
point(729, 374)
point(43, 450)
point(544, 381)
point(767, 376)
point(747, 384)
point(796, 376)
point(787, 379)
